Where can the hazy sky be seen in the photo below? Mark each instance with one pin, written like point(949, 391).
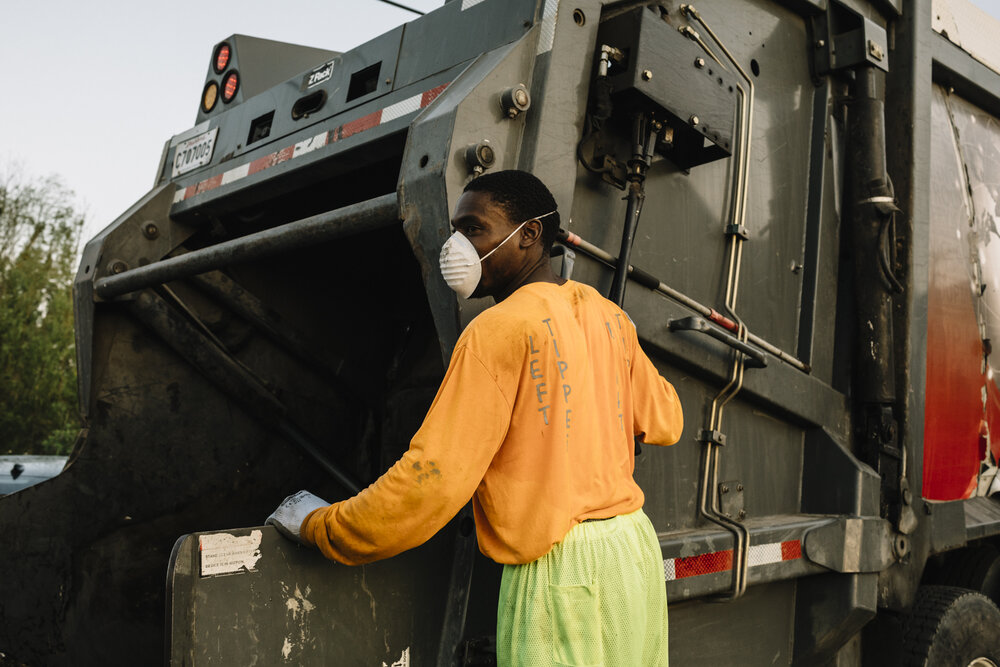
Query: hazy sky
point(91, 90)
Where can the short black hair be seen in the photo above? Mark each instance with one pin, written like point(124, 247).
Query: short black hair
point(522, 196)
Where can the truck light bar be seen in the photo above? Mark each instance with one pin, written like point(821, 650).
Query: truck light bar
point(402, 108)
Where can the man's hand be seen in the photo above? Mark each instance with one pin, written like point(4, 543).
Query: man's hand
point(292, 512)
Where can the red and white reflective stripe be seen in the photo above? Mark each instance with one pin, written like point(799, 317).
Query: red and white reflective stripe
point(350, 128)
point(722, 561)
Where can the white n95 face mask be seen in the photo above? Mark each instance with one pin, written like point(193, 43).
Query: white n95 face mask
point(461, 265)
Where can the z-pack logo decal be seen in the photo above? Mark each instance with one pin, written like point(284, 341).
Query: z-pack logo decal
point(318, 75)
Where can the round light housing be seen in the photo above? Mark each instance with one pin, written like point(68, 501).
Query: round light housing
point(230, 86)
point(221, 58)
point(209, 96)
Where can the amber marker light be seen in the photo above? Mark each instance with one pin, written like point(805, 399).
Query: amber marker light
point(230, 85)
point(221, 60)
point(209, 96)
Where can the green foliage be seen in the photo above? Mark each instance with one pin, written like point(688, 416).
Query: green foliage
point(39, 235)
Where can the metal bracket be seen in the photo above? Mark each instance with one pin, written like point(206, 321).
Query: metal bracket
point(568, 259)
point(738, 230)
point(843, 38)
point(714, 437)
point(731, 500)
point(852, 544)
point(615, 173)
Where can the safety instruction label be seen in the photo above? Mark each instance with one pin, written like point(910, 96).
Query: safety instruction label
point(222, 553)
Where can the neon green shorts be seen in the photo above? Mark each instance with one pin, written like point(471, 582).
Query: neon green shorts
point(597, 598)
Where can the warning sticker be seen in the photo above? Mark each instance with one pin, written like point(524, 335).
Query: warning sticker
point(223, 553)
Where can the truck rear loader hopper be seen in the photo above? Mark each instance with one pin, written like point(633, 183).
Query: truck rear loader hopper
point(794, 201)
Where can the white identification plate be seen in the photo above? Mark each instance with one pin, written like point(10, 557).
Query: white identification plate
point(222, 553)
point(193, 153)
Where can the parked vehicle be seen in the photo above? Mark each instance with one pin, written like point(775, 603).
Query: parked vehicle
point(19, 471)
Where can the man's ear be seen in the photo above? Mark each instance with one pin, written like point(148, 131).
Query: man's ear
point(531, 233)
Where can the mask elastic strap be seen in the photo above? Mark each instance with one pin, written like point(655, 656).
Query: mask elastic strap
point(537, 217)
point(481, 259)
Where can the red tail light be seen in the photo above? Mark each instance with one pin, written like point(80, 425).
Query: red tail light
point(230, 85)
point(222, 53)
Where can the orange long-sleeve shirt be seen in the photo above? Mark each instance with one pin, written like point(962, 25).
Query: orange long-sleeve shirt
point(534, 420)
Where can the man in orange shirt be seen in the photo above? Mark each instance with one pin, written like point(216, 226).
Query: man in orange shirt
point(535, 421)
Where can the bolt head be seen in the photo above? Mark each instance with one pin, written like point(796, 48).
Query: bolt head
point(889, 432)
point(515, 100)
point(480, 156)
point(699, 62)
point(486, 154)
point(820, 43)
point(694, 120)
point(647, 75)
point(150, 230)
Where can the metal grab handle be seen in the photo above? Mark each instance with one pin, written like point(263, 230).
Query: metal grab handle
point(757, 358)
point(352, 219)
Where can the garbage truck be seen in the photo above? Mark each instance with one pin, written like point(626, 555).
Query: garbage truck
point(796, 203)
